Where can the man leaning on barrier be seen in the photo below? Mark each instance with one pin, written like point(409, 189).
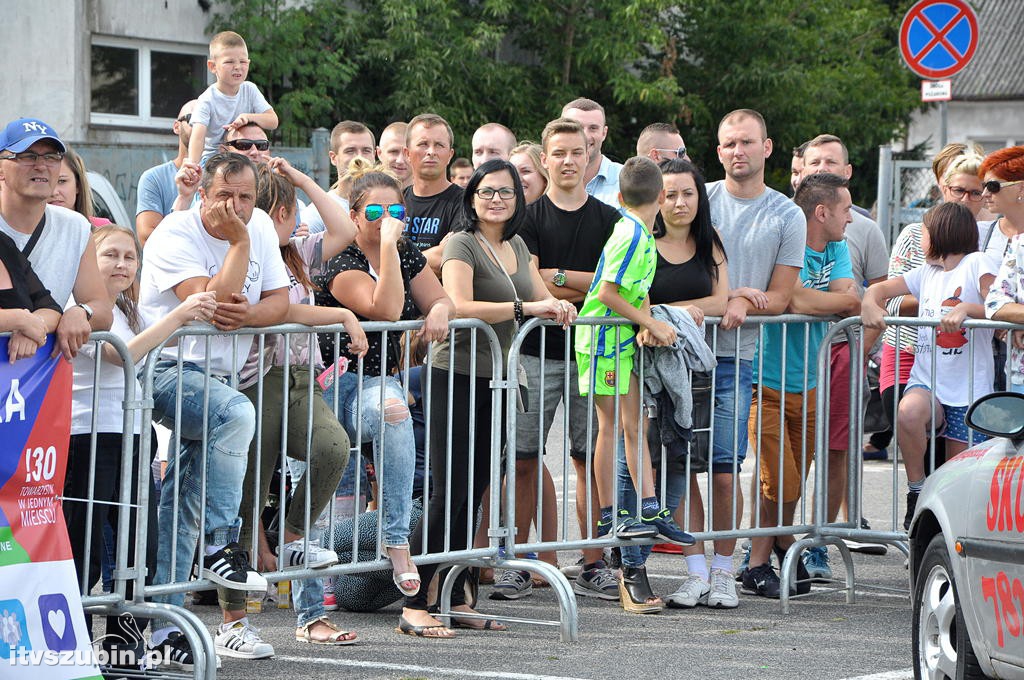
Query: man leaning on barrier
point(226, 246)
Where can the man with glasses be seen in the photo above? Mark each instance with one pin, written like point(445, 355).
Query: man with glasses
point(432, 203)
point(57, 241)
point(661, 142)
point(157, 190)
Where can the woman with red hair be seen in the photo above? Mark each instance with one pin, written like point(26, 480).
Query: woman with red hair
point(1002, 173)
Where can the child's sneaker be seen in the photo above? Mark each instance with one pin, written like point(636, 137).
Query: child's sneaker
point(667, 529)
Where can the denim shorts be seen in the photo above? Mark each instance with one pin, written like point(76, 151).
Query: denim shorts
point(733, 394)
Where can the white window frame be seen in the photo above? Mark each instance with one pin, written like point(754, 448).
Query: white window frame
point(145, 50)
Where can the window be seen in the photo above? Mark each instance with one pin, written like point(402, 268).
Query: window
point(145, 84)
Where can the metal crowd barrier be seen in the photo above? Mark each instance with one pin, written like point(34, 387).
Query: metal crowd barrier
point(834, 533)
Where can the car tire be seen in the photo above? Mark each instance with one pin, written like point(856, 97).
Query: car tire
point(941, 644)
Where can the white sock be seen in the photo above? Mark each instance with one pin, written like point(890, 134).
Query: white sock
point(697, 565)
point(210, 549)
point(225, 627)
point(916, 486)
point(722, 562)
point(161, 634)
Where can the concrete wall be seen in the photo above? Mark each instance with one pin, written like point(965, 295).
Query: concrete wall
point(993, 124)
point(47, 43)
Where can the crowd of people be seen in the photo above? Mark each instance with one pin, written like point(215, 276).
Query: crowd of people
point(553, 231)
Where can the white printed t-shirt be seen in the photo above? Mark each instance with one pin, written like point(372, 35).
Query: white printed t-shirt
point(938, 291)
point(182, 249)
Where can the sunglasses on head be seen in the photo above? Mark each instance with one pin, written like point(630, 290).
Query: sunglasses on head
point(375, 211)
point(994, 185)
point(246, 144)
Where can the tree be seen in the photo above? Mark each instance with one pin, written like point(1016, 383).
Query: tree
point(809, 66)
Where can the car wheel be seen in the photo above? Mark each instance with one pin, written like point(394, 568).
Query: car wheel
point(941, 642)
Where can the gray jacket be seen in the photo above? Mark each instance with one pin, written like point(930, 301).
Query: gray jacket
point(668, 368)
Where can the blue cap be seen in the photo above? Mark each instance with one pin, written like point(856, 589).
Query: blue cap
point(24, 132)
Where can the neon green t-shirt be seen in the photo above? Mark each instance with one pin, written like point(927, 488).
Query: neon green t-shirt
point(628, 259)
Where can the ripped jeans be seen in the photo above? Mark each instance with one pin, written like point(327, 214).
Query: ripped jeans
point(394, 444)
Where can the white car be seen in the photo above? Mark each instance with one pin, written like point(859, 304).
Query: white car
point(967, 553)
point(105, 201)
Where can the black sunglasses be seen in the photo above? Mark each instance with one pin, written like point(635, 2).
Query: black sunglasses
point(187, 118)
point(993, 185)
point(246, 144)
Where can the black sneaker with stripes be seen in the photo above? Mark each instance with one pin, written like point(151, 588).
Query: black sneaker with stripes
point(229, 567)
point(175, 651)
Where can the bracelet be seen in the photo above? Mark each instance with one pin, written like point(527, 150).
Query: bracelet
point(517, 311)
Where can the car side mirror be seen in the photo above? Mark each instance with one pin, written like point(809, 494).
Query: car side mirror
point(1000, 414)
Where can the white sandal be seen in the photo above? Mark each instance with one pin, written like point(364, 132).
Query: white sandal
point(405, 576)
point(337, 638)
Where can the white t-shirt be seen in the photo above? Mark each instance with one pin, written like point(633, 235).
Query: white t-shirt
point(938, 291)
point(214, 109)
point(58, 251)
point(109, 383)
point(182, 249)
point(311, 216)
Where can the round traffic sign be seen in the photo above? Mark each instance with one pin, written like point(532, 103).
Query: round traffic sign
point(938, 37)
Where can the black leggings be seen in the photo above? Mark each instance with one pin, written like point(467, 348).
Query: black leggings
point(465, 492)
point(106, 489)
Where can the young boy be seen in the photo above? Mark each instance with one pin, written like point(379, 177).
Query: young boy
point(229, 103)
point(461, 170)
point(619, 290)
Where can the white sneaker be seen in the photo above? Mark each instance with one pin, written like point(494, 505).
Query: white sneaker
point(292, 556)
point(723, 590)
point(694, 591)
point(242, 641)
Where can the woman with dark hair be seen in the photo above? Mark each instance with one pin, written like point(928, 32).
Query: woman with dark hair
point(691, 274)
point(27, 310)
point(489, 275)
point(951, 285)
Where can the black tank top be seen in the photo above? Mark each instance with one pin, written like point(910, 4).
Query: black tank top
point(674, 282)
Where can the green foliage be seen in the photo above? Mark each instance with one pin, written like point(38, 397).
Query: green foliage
point(809, 66)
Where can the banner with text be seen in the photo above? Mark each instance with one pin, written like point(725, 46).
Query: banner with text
point(42, 626)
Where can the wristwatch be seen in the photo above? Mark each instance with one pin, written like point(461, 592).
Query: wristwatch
point(87, 309)
point(559, 278)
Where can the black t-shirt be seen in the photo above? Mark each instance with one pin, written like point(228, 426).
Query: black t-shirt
point(352, 258)
point(563, 239)
point(429, 219)
point(674, 282)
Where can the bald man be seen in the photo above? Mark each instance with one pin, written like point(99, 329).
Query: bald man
point(157, 192)
point(492, 140)
point(661, 142)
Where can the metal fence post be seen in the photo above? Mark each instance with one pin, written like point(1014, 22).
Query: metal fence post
point(320, 140)
point(885, 193)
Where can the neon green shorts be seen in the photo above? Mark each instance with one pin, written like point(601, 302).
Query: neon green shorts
point(604, 374)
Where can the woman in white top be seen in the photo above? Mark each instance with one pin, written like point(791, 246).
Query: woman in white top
point(951, 286)
point(118, 254)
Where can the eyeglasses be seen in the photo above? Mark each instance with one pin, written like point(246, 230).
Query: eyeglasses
point(187, 118)
point(31, 158)
point(375, 211)
point(994, 185)
point(960, 192)
point(504, 193)
point(678, 153)
point(246, 144)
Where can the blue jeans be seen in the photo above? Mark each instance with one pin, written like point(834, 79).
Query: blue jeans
point(308, 594)
point(230, 428)
point(733, 395)
point(1019, 389)
point(675, 488)
point(394, 447)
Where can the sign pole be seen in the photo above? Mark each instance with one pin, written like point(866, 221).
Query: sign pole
point(943, 124)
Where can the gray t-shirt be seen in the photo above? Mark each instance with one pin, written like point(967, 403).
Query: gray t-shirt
point(214, 109)
point(869, 255)
point(489, 285)
point(58, 251)
point(758, 234)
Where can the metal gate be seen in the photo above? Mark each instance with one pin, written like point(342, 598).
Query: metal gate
point(906, 189)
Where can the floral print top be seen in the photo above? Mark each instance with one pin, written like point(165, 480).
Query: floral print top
point(1009, 287)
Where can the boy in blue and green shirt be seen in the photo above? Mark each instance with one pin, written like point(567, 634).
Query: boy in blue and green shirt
point(604, 353)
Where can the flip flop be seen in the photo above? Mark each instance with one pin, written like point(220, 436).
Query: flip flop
point(489, 624)
point(406, 628)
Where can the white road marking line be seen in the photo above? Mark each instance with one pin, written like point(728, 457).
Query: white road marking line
point(888, 675)
point(422, 669)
